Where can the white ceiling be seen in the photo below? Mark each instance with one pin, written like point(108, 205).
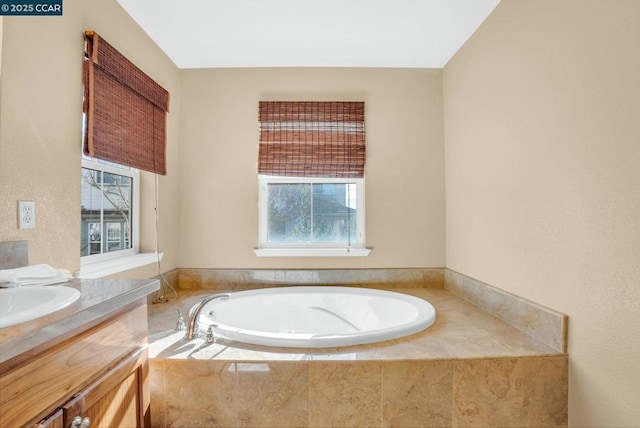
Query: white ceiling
point(309, 33)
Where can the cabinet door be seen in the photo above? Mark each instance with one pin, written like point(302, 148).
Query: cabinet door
point(115, 400)
point(55, 420)
point(118, 407)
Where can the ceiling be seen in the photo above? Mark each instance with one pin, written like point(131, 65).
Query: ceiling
point(309, 33)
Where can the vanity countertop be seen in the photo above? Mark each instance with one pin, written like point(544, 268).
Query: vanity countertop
point(99, 299)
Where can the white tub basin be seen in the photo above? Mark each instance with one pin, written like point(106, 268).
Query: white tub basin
point(316, 316)
point(27, 303)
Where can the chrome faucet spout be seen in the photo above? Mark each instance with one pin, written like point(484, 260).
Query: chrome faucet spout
point(194, 313)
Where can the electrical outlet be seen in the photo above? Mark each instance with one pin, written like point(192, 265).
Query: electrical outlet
point(26, 215)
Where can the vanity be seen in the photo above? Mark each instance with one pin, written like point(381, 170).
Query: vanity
point(85, 365)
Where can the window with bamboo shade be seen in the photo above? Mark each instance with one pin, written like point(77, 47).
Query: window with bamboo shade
point(125, 109)
point(124, 121)
point(311, 160)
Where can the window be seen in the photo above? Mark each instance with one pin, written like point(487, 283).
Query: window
point(311, 162)
point(300, 212)
point(124, 131)
point(109, 208)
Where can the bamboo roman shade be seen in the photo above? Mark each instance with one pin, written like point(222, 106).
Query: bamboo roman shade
point(125, 109)
point(311, 139)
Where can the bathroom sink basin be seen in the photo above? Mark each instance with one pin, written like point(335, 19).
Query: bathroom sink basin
point(27, 303)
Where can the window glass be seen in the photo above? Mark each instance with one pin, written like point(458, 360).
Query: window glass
point(289, 218)
point(106, 205)
point(310, 212)
point(334, 214)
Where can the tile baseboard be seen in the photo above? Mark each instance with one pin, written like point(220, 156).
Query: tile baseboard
point(548, 326)
point(239, 279)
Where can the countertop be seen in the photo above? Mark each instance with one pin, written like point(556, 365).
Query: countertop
point(98, 300)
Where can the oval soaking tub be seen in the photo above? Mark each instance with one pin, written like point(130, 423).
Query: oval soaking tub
point(316, 317)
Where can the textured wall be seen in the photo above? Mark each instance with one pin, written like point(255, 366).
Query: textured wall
point(404, 178)
point(543, 185)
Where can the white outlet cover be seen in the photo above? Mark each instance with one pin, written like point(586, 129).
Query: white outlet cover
point(26, 215)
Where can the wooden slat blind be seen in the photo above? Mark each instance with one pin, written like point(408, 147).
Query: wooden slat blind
point(125, 110)
point(311, 139)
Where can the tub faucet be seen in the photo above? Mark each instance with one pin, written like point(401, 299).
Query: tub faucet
point(194, 313)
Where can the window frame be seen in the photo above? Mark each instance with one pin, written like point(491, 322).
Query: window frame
point(134, 174)
point(291, 248)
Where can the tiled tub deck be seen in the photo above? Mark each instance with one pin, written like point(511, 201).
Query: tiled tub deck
point(468, 369)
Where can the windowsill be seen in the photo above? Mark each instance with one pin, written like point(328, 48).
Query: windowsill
point(312, 252)
point(117, 265)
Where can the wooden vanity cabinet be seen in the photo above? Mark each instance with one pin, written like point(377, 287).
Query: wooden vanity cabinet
point(55, 420)
point(100, 372)
point(117, 399)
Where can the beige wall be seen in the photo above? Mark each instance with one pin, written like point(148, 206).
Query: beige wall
point(40, 128)
point(218, 161)
point(542, 137)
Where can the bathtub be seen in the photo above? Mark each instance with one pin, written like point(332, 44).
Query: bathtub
point(316, 317)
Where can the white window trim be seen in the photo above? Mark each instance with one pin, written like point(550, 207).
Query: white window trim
point(116, 256)
point(353, 249)
point(312, 252)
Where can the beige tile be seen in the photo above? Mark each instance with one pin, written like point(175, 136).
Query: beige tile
point(374, 278)
point(474, 291)
point(546, 325)
point(456, 314)
point(215, 281)
point(473, 344)
point(502, 305)
point(199, 393)
point(411, 278)
point(170, 278)
point(190, 278)
point(237, 280)
point(431, 294)
point(453, 282)
point(417, 346)
point(273, 394)
point(461, 330)
point(345, 394)
point(488, 392)
point(433, 278)
point(404, 278)
point(417, 393)
point(546, 391)
point(543, 324)
point(514, 343)
point(345, 387)
point(261, 277)
point(156, 391)
point(305, 277)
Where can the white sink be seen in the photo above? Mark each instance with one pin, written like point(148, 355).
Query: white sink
point(27, 303)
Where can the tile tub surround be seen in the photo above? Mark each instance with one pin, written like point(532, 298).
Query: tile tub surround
point(508, 392)
point(14, 254)
point(242, 279)
point(546, 325)
point(468, 369)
